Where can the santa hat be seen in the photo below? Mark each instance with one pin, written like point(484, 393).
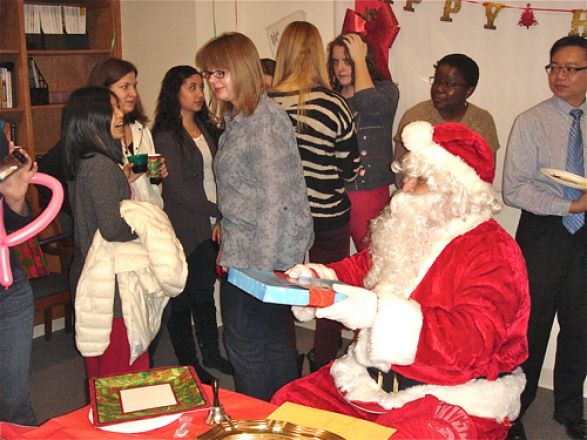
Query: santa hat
point(455, 148)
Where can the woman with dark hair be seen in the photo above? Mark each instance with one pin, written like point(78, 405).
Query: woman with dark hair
point(268, 66)
point(454, 81)
point(189, 193)
point(120, 77)
point(373, 101)
point(92, 132)
point(266, 221)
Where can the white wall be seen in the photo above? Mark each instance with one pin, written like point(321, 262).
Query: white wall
point(157, 35)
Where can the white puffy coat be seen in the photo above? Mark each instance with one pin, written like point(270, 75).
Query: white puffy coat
point(149, 270)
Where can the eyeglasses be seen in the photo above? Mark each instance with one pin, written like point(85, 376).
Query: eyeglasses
point(569, 70)
point(218, 74)
point(445, 84)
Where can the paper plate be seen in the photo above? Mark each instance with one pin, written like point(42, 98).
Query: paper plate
point(565, 178)
point(135, 426)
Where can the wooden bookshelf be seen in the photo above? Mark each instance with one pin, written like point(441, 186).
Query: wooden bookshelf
point(38, 126)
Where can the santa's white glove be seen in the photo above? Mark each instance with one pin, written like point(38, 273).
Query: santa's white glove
point(358, 310)
point(309, 270)
point(312, 270)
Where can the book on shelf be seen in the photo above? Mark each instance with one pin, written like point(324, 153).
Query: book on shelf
point(8, 86)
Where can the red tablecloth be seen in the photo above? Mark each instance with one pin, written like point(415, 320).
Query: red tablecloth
point(76, 425)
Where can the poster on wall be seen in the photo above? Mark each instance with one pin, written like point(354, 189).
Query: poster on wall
point(274, 31)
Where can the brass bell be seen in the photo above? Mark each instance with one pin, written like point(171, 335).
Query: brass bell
point(216, 414)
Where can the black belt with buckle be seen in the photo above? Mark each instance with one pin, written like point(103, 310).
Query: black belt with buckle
point(403, 382)
point(387, 379)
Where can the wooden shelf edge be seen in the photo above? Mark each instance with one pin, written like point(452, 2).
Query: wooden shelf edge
point(47, 106)
point(69, 52)
point(8, 52)
point(11, 110)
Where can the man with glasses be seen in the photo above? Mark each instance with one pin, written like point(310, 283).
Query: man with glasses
point(454, 81)
point(551, 230)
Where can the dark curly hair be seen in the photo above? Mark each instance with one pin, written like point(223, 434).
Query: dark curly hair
point(167, 114)
point(339, 41)
point(466, 66)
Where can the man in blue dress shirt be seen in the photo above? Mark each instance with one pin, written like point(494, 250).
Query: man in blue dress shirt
point(551, 231)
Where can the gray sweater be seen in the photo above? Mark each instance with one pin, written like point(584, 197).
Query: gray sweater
point(99, 187)
point(266, 220)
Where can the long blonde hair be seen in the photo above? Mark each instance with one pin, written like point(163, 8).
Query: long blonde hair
point(236, 53)
point(300, 62)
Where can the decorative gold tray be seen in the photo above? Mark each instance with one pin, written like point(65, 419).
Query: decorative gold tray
point(266, 430)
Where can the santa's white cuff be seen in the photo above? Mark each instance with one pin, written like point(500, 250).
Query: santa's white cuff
point(396, 330)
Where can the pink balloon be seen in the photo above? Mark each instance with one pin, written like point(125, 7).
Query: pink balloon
point(30, 230)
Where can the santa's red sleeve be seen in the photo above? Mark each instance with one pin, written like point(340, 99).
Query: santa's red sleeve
point(352, 270)
point(472, 313)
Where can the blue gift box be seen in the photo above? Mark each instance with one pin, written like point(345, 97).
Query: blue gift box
point(275, 288)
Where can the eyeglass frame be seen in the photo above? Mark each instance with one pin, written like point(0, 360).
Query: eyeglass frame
point(569, 70)
point(448, 85)
point(218, 73)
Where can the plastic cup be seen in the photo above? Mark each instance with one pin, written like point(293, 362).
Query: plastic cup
point(154, 169)
point(139, 162)
point(154, 165)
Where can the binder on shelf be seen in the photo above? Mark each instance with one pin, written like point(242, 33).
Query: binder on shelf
point(55, 27)
point(39, 90)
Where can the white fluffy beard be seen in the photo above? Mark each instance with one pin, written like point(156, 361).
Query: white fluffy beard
point(402, 238)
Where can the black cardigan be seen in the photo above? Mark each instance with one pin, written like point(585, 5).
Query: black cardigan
point(184, 198)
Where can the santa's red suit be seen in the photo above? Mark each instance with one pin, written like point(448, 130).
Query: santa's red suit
point(459, 330)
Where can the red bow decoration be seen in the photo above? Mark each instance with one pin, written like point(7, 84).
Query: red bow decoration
point(379, 27)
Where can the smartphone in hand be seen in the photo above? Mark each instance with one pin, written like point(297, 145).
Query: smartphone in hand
point(11, 162)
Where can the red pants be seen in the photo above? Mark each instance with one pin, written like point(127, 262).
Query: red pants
point(425, 418)
point(115, 359)
point(365, 206)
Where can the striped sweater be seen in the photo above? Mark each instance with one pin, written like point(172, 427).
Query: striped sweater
point(328, 148)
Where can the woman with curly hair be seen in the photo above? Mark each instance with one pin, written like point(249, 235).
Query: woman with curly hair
point(181, 135)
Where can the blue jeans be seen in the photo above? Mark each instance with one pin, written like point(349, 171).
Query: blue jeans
point(16, 337)
point(257, 343)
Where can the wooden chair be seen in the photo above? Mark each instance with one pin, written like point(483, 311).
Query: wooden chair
point(53, 290)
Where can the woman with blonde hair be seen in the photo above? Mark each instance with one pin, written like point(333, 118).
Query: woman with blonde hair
point(266, 222)
point(327, 143)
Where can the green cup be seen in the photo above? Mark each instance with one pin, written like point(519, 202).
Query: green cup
point(139, 162)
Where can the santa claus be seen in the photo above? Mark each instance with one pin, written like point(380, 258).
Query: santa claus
point(440, 299)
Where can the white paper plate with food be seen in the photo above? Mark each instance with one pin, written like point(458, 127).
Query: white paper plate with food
point(565, 178)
